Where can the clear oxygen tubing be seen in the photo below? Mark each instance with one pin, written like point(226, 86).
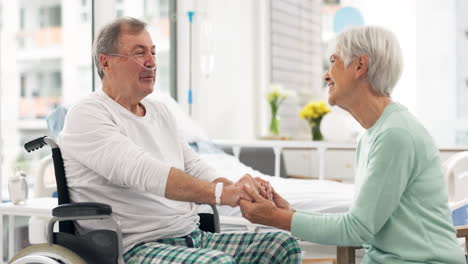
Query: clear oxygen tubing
point(133, 59)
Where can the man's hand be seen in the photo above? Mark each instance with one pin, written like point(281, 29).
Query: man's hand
point(265, 212)
point(233, 193)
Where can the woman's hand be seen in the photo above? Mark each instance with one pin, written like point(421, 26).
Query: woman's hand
point(280, 202)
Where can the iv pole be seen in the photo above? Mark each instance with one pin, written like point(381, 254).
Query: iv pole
point(190, 14)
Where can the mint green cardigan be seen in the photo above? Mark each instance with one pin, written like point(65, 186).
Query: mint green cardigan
point(400, 213)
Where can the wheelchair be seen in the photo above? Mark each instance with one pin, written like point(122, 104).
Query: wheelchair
point(68, 247)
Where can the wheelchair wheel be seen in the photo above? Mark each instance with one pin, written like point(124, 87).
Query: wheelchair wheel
point(46, 254)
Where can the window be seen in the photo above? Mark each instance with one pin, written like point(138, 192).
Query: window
point(22, 18)
point(164, 8)
point(42, 17)
point(84, 10)
point(23, 86)
point(37, 52)
point(55, 16)
point(50, 16)
point(47, 62)
point(119, 8)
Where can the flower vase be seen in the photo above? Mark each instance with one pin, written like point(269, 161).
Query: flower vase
point(315, 130)
point(274, 124)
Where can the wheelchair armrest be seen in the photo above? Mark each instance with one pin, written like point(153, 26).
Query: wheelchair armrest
point(78, 211)
point(81, 209)
point(210, 221)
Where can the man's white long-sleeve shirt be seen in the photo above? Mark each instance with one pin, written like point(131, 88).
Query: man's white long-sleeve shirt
point(115, 157)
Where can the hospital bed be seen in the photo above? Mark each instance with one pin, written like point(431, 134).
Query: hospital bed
point(323, 196)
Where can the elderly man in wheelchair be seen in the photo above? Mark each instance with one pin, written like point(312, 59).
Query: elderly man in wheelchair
point(122, 154)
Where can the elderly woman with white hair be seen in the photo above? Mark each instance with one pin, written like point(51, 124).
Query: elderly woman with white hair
point(400, 213)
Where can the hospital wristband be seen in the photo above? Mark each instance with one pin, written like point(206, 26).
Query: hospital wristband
point(218, 192)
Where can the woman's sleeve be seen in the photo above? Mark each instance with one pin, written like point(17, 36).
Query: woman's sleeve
point(92, 138)
point(390, 164)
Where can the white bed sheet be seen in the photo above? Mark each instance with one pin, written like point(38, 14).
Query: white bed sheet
point(304, 195)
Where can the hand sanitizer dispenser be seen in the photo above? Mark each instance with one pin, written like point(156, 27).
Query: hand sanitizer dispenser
point(18, 188)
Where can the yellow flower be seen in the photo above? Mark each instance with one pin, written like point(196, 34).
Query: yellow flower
point(314, 111)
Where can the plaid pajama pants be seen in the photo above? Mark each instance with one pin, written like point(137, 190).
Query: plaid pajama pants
point(205, 247)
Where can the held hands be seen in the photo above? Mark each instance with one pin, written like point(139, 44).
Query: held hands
point(232, 194)
point(270, 209)
point(259, 202)
point(258, 211)
point(272, 195)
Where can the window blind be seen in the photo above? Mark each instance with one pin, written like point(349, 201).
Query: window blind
point(296, 58)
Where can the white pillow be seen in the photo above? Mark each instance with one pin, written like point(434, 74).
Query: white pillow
point(188, 128)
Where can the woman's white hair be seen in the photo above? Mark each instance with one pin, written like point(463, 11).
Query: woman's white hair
point(383, 51)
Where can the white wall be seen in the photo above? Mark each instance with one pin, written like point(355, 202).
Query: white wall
point(426, 31)
point(436, 68)
point(224, 103)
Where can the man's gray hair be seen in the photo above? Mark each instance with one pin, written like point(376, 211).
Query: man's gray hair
point(107, 41)
point(381, 48)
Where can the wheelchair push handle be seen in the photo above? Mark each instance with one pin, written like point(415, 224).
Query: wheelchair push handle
point(39, 143)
